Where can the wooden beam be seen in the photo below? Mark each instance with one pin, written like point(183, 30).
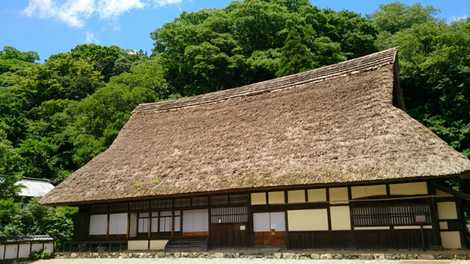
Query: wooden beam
point(458, 194)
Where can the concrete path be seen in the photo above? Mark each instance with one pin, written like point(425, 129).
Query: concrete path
point(238, 261)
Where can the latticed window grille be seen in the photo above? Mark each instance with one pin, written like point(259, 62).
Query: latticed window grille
point(182, 202)
point(218, 200)
point(229, 215)
point(239, 199)
point(139, 206)
point(200, 201)
point(161, 204)
point(390, 215)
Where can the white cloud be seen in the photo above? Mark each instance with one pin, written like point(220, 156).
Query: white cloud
point(75, 12)
point(91, 38)
point(167, 2)
point(114, 8)
point(457, 18)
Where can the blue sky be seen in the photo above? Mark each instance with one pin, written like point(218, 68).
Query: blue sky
point(52, 26)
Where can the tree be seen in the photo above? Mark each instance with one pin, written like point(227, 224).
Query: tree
point(108, 61)
point(396, 16)
point(434, 69)
point(254, 40)
point(32, 219)
point(9, 171)
point(10, 53)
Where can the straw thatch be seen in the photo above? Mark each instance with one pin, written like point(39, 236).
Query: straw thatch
point(336, 124)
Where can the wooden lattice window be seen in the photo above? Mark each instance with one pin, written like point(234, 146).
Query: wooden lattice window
point(391, 215)
point(183, 203)
point(218, 200)
point(201, 201)
point(229, 215)
point(139, 206)
point(239, 199)
point(161, 204)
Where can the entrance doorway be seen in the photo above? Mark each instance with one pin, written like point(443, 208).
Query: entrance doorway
point(270, 229)
point(229, 227)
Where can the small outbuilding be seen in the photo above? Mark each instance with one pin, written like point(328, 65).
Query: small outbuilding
point(327, 158)
point(34, 187)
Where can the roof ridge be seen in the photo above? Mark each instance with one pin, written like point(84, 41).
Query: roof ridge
point(356, 65)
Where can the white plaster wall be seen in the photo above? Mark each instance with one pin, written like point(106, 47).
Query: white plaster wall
point(49, 247)
point(258, 198)
point(24, 250)
point(411, 188)
point(296, 196)
point(158, 244)
point(447, 210)
point(276, 197)
point(36, 247)
point(340, 218)
point(339, 195)
point(137, 245)
point(11, 251)
point(316, 195)
point(308, 220)
point(450, 239)
point(368, 190)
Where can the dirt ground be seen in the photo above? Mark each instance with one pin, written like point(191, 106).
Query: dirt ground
point(237, 261)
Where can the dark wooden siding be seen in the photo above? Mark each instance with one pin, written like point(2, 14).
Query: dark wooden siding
point(373, 239)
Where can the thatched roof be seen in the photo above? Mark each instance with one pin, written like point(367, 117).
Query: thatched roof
point(335, 124)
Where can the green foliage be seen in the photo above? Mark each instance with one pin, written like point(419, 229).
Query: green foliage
point(396, 16)
point(255, 40)
point(10, 53)
point(41, 254)
point(31, 218)
point(435, 74)
point(109, 61)
point(8, 167)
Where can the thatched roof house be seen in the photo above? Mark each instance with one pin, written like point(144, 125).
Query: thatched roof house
point(323, 158)
point(336, 124)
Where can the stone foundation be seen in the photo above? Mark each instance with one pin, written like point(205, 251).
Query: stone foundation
point(391, 255)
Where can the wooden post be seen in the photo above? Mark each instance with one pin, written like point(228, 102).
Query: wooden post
point(435, 231)
point(173, 218)
point(208, 219)
point(149, 231)
point(107, 224)
point(286, 219)
point(353, 234)
point(462, 207)
point(128, 221)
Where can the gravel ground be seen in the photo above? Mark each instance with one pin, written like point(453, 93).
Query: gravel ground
point(236, 261)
